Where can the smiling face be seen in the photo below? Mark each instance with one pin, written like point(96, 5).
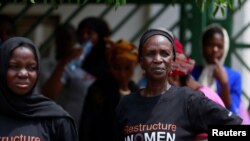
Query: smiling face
point(157, 57)
point(22, 72)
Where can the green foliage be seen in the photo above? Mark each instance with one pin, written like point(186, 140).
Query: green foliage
point(115, 3)
point(219, 5)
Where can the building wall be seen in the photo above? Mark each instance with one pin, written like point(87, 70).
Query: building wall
point(132, 26)
point(113, 17)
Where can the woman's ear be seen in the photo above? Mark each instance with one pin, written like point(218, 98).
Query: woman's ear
point(142, 65)
point(170, 73)
point(171, 66)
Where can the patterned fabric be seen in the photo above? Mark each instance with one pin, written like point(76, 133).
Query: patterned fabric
point(122, 49)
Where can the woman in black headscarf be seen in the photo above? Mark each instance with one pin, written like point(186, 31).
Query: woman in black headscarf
point(25, 114)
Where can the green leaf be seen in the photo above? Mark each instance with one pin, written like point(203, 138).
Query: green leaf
point(123, 2)
point(222, 11)
point(240, 3)
point(215, 10)
point(230, 4)
point(32, 1)
point(84, 2)
point(198, 3)
point(201, 4)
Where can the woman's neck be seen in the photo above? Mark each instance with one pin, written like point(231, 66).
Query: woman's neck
point(124, 89)
point(124, 86)
point(154, 89)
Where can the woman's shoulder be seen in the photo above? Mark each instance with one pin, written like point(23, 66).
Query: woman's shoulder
point(129, 99)
point(183, 90)
point(49, 125)
point(186, 94)
point(60, 120)
point(65, 123)
point(59, 124)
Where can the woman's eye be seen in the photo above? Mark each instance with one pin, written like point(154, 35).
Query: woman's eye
point(13, 66)
point(150, 54)
point(164, 54)
point(32, 68)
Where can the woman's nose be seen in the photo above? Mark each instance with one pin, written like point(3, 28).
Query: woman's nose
point(157, 58)
point(215, 48)
point(23, 73)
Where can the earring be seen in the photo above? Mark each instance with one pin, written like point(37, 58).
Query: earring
point(143, 71)
point(170, 73)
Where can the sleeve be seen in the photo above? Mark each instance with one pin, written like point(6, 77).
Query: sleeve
point(66, 130)
point(203, 112)
point(235, 92)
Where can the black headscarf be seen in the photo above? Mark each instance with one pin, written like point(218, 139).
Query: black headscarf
point(32, 104)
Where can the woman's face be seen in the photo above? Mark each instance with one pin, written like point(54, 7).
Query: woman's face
point(213, 48)
point(123, 70)
point(22, 71)
point(157, 57)
point(88, 34)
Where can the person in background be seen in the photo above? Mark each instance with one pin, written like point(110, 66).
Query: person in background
point(162, 110)
point(248, 109)
point(97, 123)
point(7, 28)
point(68, 83)
point(26, 114)
point(180, 74)
point(212, 73)
point(94, 30)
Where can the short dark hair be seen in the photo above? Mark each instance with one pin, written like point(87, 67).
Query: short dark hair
point(97, 24)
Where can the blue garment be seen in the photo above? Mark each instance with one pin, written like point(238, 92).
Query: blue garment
point(142, 82)
point(235, 86)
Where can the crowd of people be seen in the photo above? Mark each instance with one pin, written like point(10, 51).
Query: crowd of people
point(87, 92)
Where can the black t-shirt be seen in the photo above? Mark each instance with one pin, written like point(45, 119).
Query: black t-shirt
point(49, 129)
point(179, 114)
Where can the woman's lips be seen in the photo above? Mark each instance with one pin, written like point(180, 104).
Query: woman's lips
point(22, 85)
point(158, 70)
